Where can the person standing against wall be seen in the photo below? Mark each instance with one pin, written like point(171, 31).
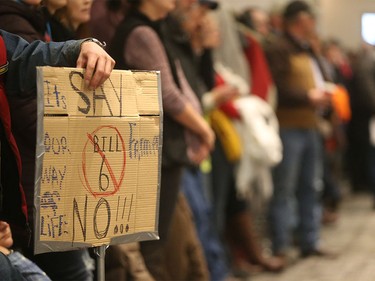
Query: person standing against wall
point(300, 82)
point(187, 137)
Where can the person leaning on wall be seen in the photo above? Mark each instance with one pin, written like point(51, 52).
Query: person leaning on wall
point(300, 81)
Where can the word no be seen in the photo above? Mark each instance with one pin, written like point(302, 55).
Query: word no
point(102, 210)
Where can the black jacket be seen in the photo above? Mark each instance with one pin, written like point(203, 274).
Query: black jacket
point(174, 145)
point(22, 20)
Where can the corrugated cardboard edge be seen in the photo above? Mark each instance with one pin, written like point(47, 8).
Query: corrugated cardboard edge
point(160, 151)
point(39, 154)
point(50, 246)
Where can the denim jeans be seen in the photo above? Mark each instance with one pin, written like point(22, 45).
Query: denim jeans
point(29, 270)
point(192, 187)
point(7, 271)
point(297, 184)
point(74, 265)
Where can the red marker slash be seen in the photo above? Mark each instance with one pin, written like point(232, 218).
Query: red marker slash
point(115, 181)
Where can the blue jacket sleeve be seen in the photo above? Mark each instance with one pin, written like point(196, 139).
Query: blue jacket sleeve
point(24, 57)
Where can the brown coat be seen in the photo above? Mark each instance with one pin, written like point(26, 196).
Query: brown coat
point(125, 262)
point(290, 65)
point(22, 20)
point(184, 254)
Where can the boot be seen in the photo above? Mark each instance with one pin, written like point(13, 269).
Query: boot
point(246, 246)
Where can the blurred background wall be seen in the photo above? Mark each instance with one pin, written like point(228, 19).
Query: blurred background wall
point(340, 19)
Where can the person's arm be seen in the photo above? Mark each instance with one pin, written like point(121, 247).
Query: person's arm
point(24, 57)
point(144, 50)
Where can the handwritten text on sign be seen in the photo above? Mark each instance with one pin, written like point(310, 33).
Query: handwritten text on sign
point(100, 172)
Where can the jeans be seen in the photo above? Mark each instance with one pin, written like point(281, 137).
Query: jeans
point(224, 198)
point(74, 265)
point(297, 185)
point(331, 193)
point(192, 187)
point(7, 271)
point(222, 181)
point(29, 270)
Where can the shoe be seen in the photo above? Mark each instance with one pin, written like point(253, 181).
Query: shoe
point(246, 247)
point(329, 217)
point(319, 252)
point(243, 269)
point(274, 264)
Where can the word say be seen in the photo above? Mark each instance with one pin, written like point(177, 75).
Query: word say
point(111, 97)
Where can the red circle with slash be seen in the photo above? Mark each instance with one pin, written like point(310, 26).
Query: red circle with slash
point(115, 181)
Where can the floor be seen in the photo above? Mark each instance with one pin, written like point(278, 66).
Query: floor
point(352, 238)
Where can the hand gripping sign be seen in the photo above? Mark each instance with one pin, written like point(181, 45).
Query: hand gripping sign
point(98, 159)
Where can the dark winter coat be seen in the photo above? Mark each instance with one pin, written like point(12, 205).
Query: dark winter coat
point(22, 20)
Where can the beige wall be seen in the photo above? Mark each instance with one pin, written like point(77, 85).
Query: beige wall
point(337, 18)
point(342, 19)
point(238, 4)
point(266, 4)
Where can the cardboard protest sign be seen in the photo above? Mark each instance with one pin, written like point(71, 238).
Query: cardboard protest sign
point(98, 159)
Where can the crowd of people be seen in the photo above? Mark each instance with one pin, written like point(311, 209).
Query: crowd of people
point(264, 121)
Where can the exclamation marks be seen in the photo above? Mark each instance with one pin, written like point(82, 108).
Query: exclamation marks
point(118, 205)
point(130, 211)
point(123, 210)
point(120, 228)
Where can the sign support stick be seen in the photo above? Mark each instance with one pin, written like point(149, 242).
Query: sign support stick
point(100, 253)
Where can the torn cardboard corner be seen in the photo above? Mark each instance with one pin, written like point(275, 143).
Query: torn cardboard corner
point(98, 159)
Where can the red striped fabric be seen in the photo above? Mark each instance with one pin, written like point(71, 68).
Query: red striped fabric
point(6, 121)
